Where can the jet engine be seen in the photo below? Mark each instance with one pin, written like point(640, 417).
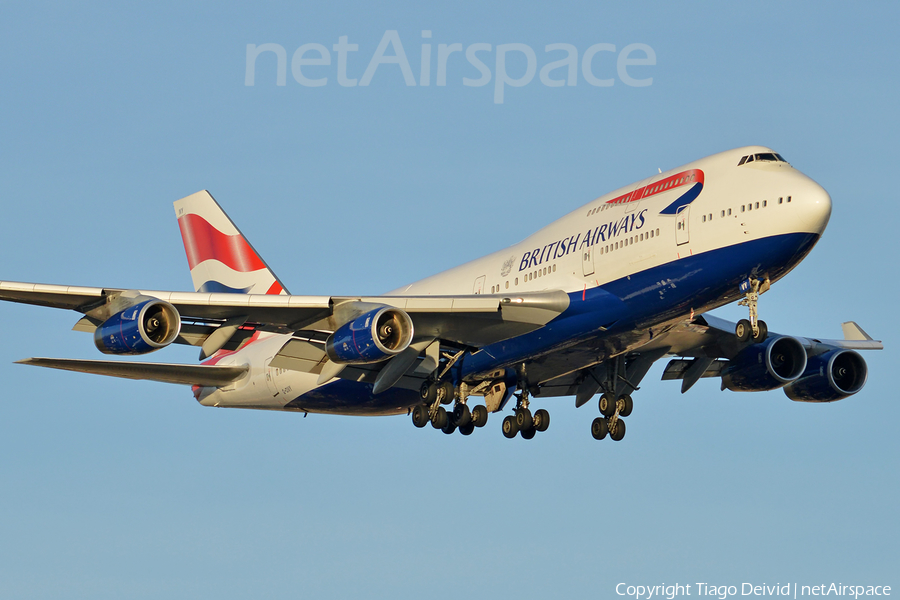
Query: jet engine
point(765, 366)
point(148, 325)
point(829, 377)
point(372, 337)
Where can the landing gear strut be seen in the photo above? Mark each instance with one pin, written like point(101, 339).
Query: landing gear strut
point(753, 328)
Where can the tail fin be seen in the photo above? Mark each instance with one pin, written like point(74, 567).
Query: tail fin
point(220, 258)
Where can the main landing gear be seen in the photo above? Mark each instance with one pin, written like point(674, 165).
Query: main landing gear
point(753, 328)
point(613, 410)
point(615, 403)
point(436, 394)
point(523, 422)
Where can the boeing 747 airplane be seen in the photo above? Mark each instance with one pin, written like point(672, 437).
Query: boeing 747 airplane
point(582, 307)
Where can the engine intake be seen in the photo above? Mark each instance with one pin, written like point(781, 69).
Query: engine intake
point(766, 366)
point(829, 377)
point(372, 337)
point(141, 328)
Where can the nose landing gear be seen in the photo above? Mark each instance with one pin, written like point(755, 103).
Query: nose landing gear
point(752, 328)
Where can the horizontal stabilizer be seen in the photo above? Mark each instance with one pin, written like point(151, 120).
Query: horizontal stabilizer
point(205, 375)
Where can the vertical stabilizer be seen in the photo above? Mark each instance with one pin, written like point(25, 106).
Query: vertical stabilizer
point(220, 258)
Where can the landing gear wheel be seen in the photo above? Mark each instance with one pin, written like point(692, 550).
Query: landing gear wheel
point(762, 333)
point(440, 419)
point(607, 405)
point(449, 427)
point(618, 431)
point(467, 429)
point(743, 330)
point(428, 393)
point(524, 420)
point(599, 428)
point(541, 420)
point(528, 433)
point(627, 405)
point(446, 392)
point(420, 415)
point(461, 415)
point(479, 416)
point(510, 429)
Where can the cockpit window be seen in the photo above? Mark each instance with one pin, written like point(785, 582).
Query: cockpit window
point(762, 156)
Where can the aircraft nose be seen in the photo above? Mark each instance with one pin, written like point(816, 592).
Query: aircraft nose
point(816, 206)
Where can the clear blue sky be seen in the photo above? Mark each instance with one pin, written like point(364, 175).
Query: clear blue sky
point(118, 489)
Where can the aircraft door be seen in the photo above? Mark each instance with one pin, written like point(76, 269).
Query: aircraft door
point(682, 234)
point(479, 285)
point(587, 261)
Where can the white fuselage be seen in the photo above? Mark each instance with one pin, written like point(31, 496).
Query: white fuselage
point(578, 252)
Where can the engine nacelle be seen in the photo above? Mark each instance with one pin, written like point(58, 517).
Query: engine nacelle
point(148, 325)
point(372, 337)
point(765, 366)
point(829, 377)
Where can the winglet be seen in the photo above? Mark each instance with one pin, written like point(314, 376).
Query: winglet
point(852, 331)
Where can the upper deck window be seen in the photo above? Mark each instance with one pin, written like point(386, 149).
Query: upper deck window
point(762, 156)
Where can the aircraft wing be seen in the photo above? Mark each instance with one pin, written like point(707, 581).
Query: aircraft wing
point(709, 343)
point(470, 320)
point(205, 375)
point(712, 337)
point(699, 348)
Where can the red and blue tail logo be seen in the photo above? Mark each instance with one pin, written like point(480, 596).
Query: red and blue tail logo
point(221, 260)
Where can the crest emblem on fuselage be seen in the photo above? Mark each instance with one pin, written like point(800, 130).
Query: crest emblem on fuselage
point(506, 269)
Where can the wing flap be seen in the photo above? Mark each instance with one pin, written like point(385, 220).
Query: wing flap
point(204, 375)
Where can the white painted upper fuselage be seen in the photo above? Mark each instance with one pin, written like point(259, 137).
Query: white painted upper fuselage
point(578, 252)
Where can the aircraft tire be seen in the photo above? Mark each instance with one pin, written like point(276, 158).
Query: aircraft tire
point(599, 428)
point(524, 420)
point(528, 433)
point(467, 429)
point(428, 393)
point(618, 431)
point(510, 429)
point(420, 415)
point(462, 415)
point(541, 420)
point(607, 405)
point(480, 416)
point(447, 392)
point(743, 330)
point(449, 427)
point(763, 332)
point(628, 405)
point(440, 418)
